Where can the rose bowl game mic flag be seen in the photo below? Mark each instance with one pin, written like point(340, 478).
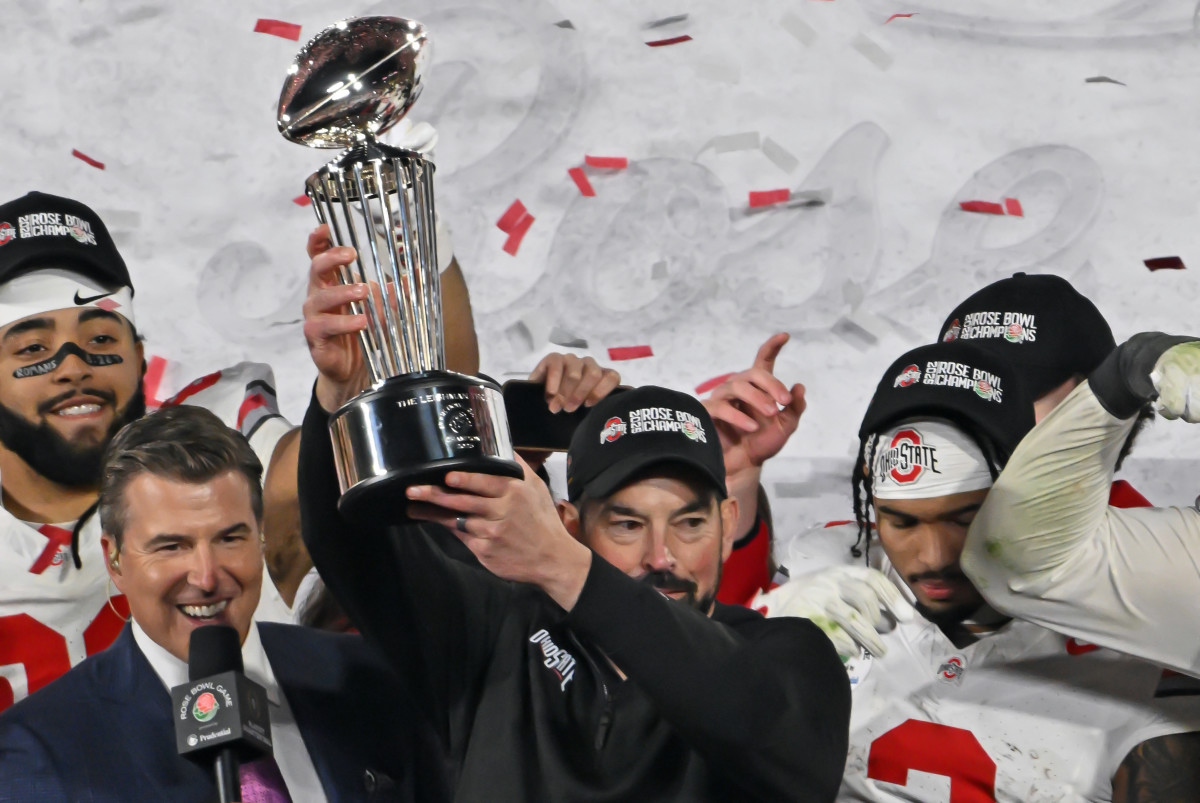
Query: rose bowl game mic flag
point(221, 716)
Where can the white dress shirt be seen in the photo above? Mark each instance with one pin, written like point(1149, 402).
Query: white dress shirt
point(291, 755)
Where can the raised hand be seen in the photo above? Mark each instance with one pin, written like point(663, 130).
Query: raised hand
point(330, 328)
point(754, 412)
point(572, 382)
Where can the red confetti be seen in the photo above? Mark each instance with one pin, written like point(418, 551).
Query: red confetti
point(581, 181)
point(1013, 207)
point(155, 368)
point(285, 30)
point(1165, 263)
point(899, 16)
point(511, 217)
point(629, 353)
point(517, 234)
point(613, 162)
point(302, 200)
point(709, 384)
point(984, 207)
point(674, 40)
point(93, 162)
point(768, 197)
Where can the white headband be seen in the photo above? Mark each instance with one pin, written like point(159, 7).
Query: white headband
point(925, 459)
point(50, 289)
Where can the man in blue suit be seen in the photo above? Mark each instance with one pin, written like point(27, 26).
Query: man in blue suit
point(181, 509)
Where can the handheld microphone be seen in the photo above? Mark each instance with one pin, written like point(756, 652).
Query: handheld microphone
point(221, 716)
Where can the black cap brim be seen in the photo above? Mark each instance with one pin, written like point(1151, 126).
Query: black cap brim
point(618, 474)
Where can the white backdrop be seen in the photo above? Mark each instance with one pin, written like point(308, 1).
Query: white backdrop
point(891, 123)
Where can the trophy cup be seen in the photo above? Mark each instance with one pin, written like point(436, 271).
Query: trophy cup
point(417, 421)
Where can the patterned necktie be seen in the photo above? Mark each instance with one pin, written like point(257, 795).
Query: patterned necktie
point(262, 782)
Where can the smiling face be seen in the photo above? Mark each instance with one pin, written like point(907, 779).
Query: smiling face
point(923, 540)
point(667, 532)
point(58, 420)
point(190, 556)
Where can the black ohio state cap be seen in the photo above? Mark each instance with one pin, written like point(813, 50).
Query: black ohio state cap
point(959, 382)
point(39, 231)
point(627, 433)
point(1040, 323)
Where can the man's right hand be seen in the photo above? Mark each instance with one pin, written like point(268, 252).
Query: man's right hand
point(330, 328)
point(846, 602)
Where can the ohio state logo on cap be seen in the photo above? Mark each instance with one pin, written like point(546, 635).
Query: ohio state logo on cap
point(907, 457)
point(7, 233)
point(613, 429)
point(908, 376)
point(952, 333)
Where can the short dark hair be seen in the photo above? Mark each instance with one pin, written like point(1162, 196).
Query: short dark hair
point(188, 444)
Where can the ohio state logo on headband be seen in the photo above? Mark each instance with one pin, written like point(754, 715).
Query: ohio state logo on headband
point(908, 376)
point(907, 458)
point(613, 429)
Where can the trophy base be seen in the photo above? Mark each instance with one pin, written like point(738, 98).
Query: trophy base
point(412, 430)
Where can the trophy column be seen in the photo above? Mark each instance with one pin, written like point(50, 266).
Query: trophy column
point(417, 421)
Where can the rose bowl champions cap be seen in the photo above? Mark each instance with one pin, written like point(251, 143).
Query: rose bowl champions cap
point(1046, 328)
point(627, 433)
point(56, 253)
point(960, 383)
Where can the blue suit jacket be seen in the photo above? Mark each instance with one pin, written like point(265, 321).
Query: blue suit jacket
point(104, 732)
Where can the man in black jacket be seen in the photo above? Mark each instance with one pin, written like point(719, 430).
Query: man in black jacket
point(578, 654)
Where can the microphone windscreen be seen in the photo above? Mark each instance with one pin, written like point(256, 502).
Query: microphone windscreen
point(214, 649)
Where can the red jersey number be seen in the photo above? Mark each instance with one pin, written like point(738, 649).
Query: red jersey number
point(43, 651)
point(939, 750)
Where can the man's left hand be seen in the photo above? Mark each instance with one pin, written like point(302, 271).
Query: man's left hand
point(511, 526)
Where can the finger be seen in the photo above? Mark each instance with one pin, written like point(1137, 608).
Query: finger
point(420, 511)
point(324, 268)
point(318, 241)
point(485, 485)
point(553, 373)
point(755, 397)
point(572, 375)
point(590, 374)
point(727, 413)
point(335, 298)
point(768, 351)
point(890, 596)
point(607, 384)
point(461, 503)
point(327, 327)
point(539, 371)
point(865, 635)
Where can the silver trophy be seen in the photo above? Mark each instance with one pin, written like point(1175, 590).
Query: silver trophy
point(349, 84)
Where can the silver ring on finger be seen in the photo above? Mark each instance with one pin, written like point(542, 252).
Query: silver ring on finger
point(460, 524)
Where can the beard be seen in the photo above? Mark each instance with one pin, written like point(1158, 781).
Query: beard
point(66, 463)
point(664, 581)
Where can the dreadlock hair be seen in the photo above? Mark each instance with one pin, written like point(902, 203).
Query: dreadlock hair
point(860, 476)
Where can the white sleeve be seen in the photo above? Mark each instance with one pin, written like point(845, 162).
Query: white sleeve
point(1046, 547)
point(243, 396)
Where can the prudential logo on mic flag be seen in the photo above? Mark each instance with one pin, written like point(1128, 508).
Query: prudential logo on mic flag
point(206, 707)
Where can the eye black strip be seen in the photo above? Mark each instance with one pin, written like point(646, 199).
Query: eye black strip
point(48, 365)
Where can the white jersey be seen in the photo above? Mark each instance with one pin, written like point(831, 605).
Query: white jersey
point(1022, 715)
point(52, 614)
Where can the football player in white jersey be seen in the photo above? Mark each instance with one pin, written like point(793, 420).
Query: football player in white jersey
point(965, 704)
